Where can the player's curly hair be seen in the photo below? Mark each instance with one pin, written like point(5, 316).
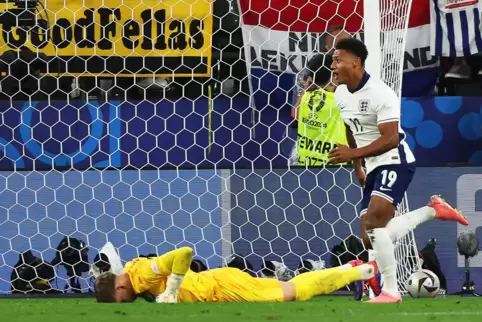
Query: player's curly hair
point(105, 287)
point(354, 47)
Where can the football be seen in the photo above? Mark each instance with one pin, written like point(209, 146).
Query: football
point(423, 284)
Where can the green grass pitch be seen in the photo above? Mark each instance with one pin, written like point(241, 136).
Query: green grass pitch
point(325, 308)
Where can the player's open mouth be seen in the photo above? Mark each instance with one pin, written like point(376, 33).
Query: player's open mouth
point(335, 75)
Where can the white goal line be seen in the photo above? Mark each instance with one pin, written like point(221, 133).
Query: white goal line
point(410, 314)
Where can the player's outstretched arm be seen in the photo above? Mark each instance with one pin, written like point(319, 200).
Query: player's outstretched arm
point(175, 265)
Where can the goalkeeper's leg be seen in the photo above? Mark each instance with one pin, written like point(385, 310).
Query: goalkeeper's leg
point(303, 287)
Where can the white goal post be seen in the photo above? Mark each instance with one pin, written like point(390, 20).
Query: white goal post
point(202, 164)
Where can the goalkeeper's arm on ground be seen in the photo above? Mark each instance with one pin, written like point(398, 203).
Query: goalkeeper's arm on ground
point(174, 264)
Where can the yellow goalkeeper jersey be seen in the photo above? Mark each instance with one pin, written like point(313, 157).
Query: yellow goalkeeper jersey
point(217, 285)
point(150, 274)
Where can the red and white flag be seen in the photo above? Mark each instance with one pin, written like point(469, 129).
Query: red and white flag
point(280, 35)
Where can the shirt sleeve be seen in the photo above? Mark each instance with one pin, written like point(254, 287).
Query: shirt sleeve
point(389, 110)
point(177, 261)
point(144, 274)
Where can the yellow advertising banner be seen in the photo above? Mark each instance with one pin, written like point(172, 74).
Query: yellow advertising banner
point(121, 37)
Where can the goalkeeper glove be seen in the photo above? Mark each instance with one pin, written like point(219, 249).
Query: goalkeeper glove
point(166, 297)
point(172, 288)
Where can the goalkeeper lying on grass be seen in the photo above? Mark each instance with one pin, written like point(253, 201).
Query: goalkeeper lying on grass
point(169, 280)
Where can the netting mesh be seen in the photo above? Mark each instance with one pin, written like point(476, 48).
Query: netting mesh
point(152, 175)
point(394, 17)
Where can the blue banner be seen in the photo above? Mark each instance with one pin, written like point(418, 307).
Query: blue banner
point(46, 136)
point(134, 134)
point(196, 134)
point(444, 130)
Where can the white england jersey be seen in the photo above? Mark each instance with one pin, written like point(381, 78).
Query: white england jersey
point(371, 104)
point(455, 27)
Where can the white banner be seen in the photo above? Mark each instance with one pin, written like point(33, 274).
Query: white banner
point(282, 51)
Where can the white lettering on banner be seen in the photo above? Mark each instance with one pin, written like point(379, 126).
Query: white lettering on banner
point(298, 40)
point(283, 51)
point(467, 187)
point(417, 49)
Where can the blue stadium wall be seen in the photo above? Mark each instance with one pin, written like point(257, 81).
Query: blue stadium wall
point(187, 211)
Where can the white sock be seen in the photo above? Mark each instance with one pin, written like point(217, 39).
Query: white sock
point(367, 271)
point(400, 226)
point(383, 246)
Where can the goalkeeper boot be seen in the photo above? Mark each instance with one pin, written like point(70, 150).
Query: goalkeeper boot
point(375, 283)
point(443, 211)
point(358, 288)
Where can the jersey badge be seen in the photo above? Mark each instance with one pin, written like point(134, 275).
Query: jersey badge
point(363, 105)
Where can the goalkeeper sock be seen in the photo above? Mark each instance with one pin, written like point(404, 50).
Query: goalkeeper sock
point(328, 280)
point(383, 246)
point(400, 226)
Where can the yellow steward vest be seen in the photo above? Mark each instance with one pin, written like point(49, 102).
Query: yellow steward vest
point(320, 127)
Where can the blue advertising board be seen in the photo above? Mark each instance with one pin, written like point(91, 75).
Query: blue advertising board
point(185, 133)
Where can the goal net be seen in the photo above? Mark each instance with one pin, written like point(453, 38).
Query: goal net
point(300, 30)
point(139, 125)
point(394, 16)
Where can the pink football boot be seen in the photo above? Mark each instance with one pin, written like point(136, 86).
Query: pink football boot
point(445, 212)
point(385, 297)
